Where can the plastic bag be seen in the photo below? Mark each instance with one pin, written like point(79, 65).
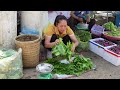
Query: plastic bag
point(65, 61)
point(11, 67)
point(97, 30)
point(4, 53)
point(29, 31)
point(82, 26)
point(62, 76)
point(3, 76)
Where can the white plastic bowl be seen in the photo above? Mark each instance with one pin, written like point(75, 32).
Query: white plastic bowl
point(44, 68)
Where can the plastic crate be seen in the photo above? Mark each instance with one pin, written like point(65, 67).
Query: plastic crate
point(111, 57)
point(97, 48)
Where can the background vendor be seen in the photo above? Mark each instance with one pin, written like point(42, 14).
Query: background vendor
point(78, 17)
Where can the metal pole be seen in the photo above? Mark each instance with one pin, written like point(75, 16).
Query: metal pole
point(107, 16)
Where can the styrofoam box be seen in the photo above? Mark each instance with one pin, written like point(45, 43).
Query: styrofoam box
point(111, 57)
point(97, 48)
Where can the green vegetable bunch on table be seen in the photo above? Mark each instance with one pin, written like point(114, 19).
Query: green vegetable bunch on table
point(63, 50)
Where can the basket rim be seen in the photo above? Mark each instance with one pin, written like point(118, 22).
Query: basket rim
point(111, 37)
point(38, 38)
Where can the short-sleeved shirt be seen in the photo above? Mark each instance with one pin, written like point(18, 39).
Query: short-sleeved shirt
point(52, 29)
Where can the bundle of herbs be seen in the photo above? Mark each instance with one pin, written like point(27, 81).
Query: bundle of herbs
point(114, 30)
point(63, 50)
point(79, 65)
point(110, 26)
point(83, 37)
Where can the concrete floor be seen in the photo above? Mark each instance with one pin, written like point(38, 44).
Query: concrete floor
point(104, 69)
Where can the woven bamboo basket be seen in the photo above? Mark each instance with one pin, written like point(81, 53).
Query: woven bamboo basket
point(30, 45)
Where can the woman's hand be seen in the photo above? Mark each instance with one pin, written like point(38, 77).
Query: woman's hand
point(57, 41)
point(73, 48)
point(75, 42)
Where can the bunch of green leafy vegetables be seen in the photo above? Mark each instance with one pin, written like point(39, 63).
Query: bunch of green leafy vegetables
point(114, 33)
point(63, 50)
point(83, 37)
point(79, 65)
point(82, 46)
point(110, 26)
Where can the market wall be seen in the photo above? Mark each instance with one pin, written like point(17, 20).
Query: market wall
point(8, 28)
point(8, 25)
point(34, 20)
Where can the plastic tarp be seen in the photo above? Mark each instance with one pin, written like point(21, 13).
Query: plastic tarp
point(29, 31)
point(11, 66)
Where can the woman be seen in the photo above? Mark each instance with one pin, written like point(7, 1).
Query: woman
point(59, 29)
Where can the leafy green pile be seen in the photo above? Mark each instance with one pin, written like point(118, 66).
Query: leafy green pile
point(63, 50)
point(110, 26)
point(114, 30)
point(83, 37)
point(79, 65)
point(114, 33)
point(82, 46)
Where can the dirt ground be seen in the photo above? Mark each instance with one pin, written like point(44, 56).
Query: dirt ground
point(104, 69)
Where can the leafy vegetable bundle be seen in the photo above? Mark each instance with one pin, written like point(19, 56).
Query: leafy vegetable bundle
point(79, 65)
point(63, 50)
point(114, 33)
point(83, 37)
point(110, 26)
point(114, 30)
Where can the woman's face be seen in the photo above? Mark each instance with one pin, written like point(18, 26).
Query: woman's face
point(62, 26)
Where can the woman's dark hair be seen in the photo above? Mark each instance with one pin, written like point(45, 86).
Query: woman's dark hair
point(59, 18)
